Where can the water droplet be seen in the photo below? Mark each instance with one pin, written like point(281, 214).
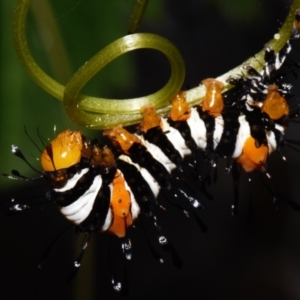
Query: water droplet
point(276, 36)
point(233, 210)
point(117, 286)
point(14, 148)
point(18, 207)
point(186, 213)
point(162, 240)
point(76, 264)
point(126, 247)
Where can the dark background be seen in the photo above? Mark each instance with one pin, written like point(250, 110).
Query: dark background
point(236, 258)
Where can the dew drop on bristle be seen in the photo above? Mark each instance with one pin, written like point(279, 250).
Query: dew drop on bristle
point(186, 213)
point(151, 248)
point(168, 247)
point(19, 207)
point(157, 227)
point(17, 152)
point(162, 240)
point(233, 210)
point(212, 163)
point(127, 249)
point(117, 286)
point(215, 175)
point(121, 286)
point(194, 202)
point(228, 169)
point(77, 264)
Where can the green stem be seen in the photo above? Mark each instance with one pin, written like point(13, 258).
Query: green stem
point(98, 113)
point(57, 53)
point(137, 15)
point(20, 42)
point(101, 113)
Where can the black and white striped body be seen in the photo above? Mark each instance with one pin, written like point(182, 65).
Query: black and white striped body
point(159, 162)
point(149, 166)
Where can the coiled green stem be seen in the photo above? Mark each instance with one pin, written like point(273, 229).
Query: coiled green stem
point(99, 113)
point(105, 113)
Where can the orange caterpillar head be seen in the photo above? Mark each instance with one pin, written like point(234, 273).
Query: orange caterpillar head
point(180, 110)
point(275, 105)
point(213, 101)
point(253, 158)
point(121, 138)
point(150, 118)
point(62, 152)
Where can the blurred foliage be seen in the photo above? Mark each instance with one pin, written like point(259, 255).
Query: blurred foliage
point(244, 11)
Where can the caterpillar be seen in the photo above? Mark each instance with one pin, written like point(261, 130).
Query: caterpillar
point(83, 172)
point(106, 187)
point(99, 193)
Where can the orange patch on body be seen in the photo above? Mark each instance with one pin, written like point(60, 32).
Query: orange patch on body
point(121, 138)
point(180, 110)
point(108, 159)
point(253, 158)
point(297, 20)
point(274, 104)
point(150, 118)
point(120, 204)
point(213, 100)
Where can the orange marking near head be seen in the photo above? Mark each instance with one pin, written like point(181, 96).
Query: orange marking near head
point(121, 138)
point(213, 101)
point(297, 19)
point(108, 159)
point(253, 158)
point(120, 203)
point(275, 105)
point(150, 118)
point(180, 110)
point(66, 151)
point(86, 150)
point(96, 156)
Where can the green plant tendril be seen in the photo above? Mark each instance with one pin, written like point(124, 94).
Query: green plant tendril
point(100, 113)
point(96, 112)
point(137, 15)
